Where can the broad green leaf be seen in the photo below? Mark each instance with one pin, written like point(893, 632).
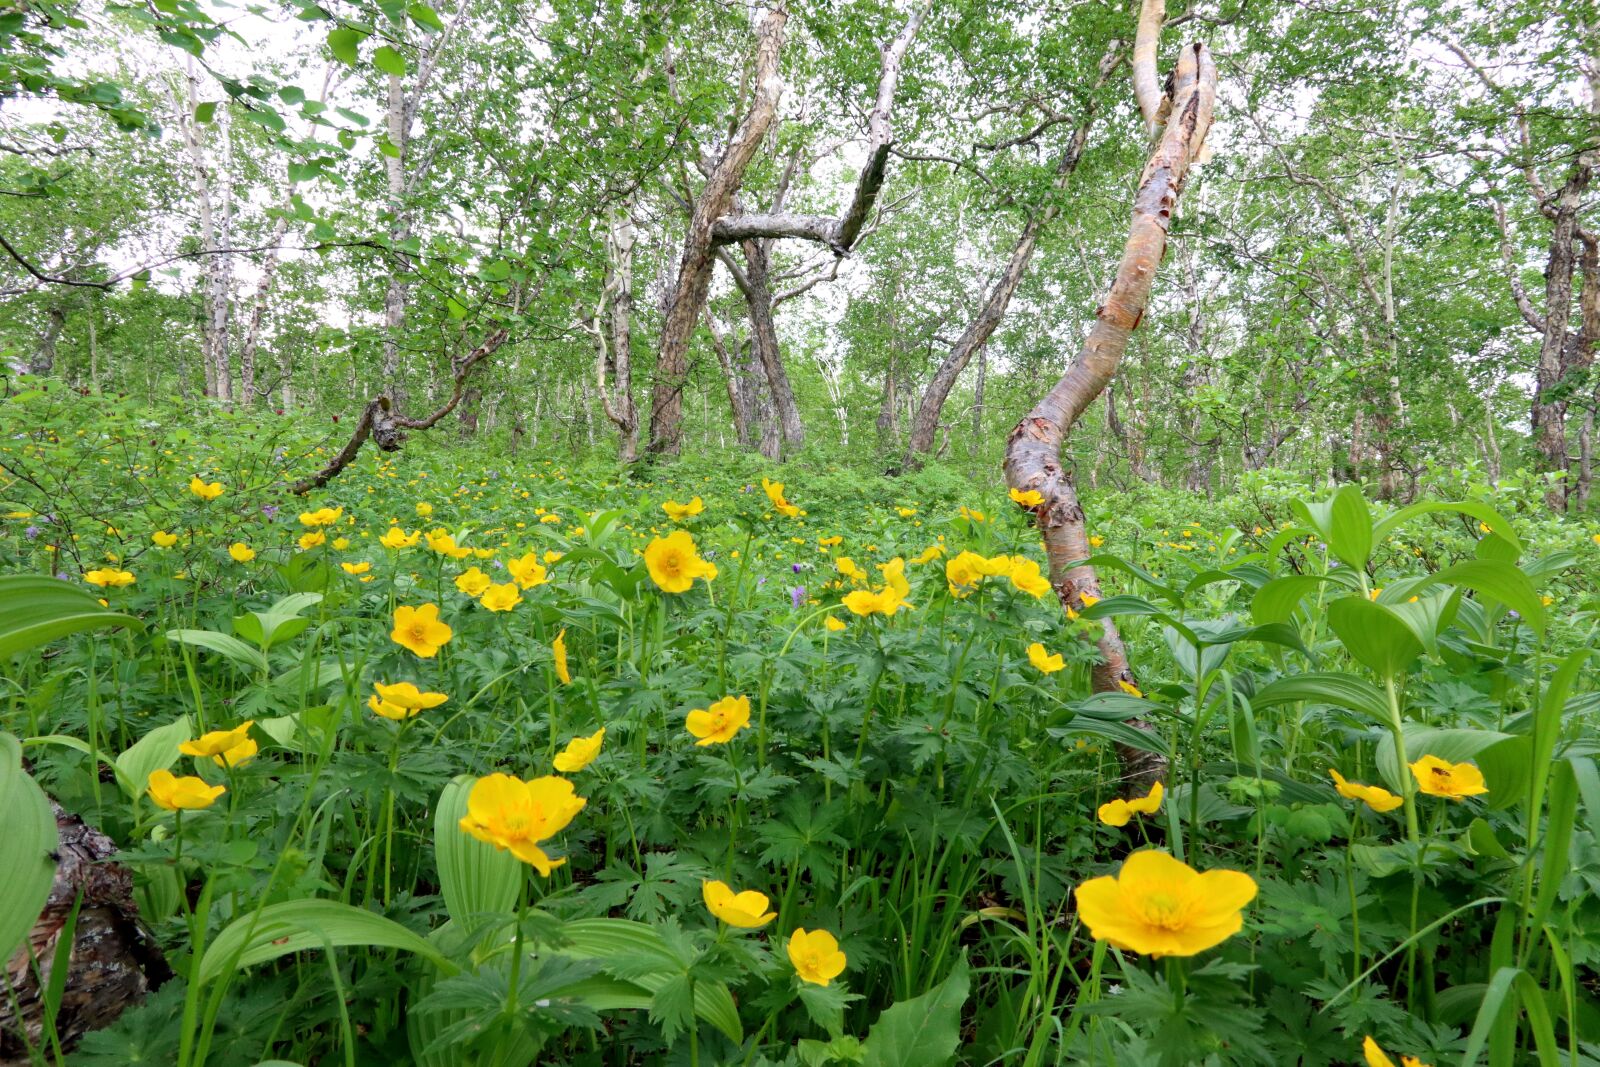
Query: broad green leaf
point(1340, 690)
point(475, 878)
point(389, 61)
point(345, 43)
point(35, 610)
point(923, 1031)
point(303, 925)
point(241, 654)
point(205, 112)
point(1500, 581)
point(651, 965)
point(1482, 512)
point(25, 847)
point(1350, 527)
point(1374, 636)
point(154, 751)
point(1279, 599)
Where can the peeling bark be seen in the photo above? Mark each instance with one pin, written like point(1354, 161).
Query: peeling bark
point(1033, 450)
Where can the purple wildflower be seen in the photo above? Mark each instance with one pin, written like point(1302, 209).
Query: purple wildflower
point(31, 532)
point(797, 596)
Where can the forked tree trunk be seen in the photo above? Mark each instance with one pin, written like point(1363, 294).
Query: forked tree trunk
point(1033, 451)
point(688, 294)
point(993, 310)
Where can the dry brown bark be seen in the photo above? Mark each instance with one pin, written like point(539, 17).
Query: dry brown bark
point(113, 961)
point(1033, 451)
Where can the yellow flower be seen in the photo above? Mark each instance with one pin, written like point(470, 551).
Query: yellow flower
point(402, 700)
point(204, 490)
point(885, 601)
point(580, 752)
point(110, 576)
point(395, 538)
point(501, 597)
point(1129, 688)
point(830, 542)
point(1440, 778)
point(548, 519)
point(678, 512)
point(312, 540)
point(774, 492)
point(1376, 1057)
point(515, 816)
point(1047, 662)
point(816, 956)
point(321, 517)
point(1376, 798)
point(747, 910)
point(441, 542)
point(963, 572)
point(674, 562)
point(420, 630)
point(1118, 812)
point(1028, 498)
point(473, 582)
point(972, 514)
point(424, 508)
point(848, 568)
point(929, 554)
point(1025, 576)
point(833, 623)
point(906, 513)
point(341, 543)
point(222, 742)
point(356, 568)
point(1096, 541)
point(1159, 906)
point(894, 577)
point(163, 539)
point(558, 648)
point(241, 552)
point(717, 724)
point(527, 571)
point(188, 793)
point(551, 556)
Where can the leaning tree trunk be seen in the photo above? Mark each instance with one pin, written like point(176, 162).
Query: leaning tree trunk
point(987, 320)
point(1033, 451)
point(688, 294)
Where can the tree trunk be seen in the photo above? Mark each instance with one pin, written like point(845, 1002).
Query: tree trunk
point(1033, 450)
point(983, 325)
point(737, 400)
point(977, 402)
point(248, 391)
point(620, 407)
point(688, 293)
point(215, 284)
point(753, 283)
point(1549, 407)
point(44, 354)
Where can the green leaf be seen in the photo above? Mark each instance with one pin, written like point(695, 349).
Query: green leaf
point(1500, 581)
point(475, 878)
point(154, 751)
point(1482, 512)
point(25, 848)
point(1350, 527)
point(1374, 635)
point(242, 655)
point(35, 610)
point(1279, 599)
point(389, 61)
point(651, 965)
point(426, 17)
point(301, 925)
point(923, 1031)
point(205, 112)
point(344, 43)
point(1340, 690)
